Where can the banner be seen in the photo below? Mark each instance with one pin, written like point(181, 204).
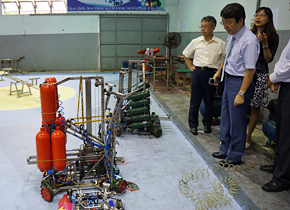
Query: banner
point(116, 5)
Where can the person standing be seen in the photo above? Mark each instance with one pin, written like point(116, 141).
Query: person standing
point(269, 40)
point(242, 53)
point(208, 52)
point(281, 167)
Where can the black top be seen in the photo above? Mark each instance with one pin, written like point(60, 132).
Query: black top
point(262, 65)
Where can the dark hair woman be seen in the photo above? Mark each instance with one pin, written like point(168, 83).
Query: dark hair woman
point(265, 31)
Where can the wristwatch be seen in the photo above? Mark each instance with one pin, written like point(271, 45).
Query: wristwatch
point(241, 93)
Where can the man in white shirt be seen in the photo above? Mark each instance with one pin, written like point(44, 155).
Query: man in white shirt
point(281, 167)
point(208, 53)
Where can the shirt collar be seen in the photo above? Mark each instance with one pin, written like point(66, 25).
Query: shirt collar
point(240, 33)
point(213, 39)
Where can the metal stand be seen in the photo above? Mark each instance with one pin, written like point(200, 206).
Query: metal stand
point(19, 92)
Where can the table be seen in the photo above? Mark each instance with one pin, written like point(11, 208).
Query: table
point(157, 63)
point(178, 59)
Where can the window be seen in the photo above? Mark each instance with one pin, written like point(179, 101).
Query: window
point(18, 7)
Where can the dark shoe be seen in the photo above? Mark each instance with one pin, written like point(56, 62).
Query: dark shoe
point(273, 187)
point(268, 168)
point(193, 131)
point(218, 155)
point(226, 163)
point(207, 129)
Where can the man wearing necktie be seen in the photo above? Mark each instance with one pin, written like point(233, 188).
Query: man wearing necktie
point(237, 72)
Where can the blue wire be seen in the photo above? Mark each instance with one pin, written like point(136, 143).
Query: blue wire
point(60, 107)
point(107, 143)
point(64, 182)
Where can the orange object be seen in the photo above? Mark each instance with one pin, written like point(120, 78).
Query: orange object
point(58, 151)
point(156, 50)
point(43, 150)
point(65, 203)
point(48, 104)
point(52, 80)
point(60, 121)
point(142, 51)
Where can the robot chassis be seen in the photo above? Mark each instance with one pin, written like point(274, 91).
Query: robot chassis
point(135, 112)
point(90, 167)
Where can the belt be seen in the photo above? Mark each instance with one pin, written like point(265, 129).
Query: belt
point(206, 68)
point(229, 75)
point(285, 84)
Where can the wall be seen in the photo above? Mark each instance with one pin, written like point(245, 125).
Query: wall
point(50, 42)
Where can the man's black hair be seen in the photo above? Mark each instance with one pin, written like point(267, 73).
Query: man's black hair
point(233, 10)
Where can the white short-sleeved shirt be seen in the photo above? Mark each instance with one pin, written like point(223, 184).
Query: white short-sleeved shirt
point(282, 67)
point(206, 54)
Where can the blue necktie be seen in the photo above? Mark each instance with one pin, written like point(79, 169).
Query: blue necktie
point(227, 54)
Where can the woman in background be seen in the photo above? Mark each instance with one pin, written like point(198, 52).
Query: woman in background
point(265, 31)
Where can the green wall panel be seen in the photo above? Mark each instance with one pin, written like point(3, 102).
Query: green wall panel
point(129, 33)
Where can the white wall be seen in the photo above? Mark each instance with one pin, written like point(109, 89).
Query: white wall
point(281, 8)
point(171, 8)
point(48, 24)
point(190, 12)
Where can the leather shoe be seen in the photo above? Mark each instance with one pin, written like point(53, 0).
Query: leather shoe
point(207, 129)
point(226, 163)
point(268, 168)
point(193, 131)
point(273, 187)
point(218, 155)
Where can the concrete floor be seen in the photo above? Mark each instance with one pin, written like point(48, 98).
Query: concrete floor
point(250, 179)
point(156, 165)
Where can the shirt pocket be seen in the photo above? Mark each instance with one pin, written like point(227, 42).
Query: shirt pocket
point(215, 57)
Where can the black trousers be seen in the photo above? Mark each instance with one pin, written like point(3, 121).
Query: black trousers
point(200, 89)
point(281, 174)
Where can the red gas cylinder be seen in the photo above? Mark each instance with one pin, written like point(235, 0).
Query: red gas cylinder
point(58, 151)
point(65, 203)
point(48, 104)
point(52, 80)
point(60, 121)
point(43, 150)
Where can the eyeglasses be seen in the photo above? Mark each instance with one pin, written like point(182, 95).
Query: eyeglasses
point(227, 23)
point(260, 15)
point(204, 27)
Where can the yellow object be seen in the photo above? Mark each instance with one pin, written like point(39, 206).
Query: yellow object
point(12, 102)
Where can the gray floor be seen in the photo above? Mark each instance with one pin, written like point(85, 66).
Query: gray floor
point(250, 179)
point(155, 165)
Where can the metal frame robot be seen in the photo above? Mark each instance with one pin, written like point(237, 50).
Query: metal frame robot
point(135, 114)
point(91, 167)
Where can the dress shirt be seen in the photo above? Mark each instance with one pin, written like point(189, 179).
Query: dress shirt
point(244, 54)
point(206, 54)
point(282, 67)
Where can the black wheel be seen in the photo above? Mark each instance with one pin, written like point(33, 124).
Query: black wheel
point(157, 133)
